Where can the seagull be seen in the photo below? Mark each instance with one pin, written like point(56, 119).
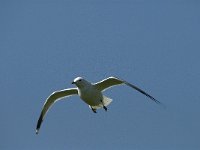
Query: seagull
point(90, 93)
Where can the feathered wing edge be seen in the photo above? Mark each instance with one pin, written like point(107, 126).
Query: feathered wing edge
point(55, 96)
point(113, 81)
point(143, 92)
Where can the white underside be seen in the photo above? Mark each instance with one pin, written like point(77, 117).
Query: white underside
point(106, 102)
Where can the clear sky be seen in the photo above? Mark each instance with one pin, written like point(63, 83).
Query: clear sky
point(45, 44)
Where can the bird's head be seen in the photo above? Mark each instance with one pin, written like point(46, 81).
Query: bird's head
point(80, 82)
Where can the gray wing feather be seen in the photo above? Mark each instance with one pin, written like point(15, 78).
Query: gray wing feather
point(113, 81)
point(55, 96)
point(108, 83)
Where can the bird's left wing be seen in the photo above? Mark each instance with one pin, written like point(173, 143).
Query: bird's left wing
point(55, 96)
point(108, 83)
point(113, 81)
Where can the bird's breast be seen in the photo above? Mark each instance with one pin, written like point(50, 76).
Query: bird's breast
point(91, 96)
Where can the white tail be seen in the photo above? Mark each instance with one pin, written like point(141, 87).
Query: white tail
point(106, 102)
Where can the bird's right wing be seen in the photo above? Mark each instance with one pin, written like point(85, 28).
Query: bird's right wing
point(55, 96)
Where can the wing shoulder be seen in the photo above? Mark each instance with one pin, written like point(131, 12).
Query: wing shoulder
point(108, 82)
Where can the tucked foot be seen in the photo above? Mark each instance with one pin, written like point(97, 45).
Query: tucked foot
point(105, 108)
point(94, 110)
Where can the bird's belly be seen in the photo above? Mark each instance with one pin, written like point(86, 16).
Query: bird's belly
point(92, 98)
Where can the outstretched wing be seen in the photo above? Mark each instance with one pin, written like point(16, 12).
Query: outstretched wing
point(55, 96)
point(113, 81)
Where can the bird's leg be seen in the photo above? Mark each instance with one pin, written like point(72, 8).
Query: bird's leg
point(104, 107)
point(94, 110)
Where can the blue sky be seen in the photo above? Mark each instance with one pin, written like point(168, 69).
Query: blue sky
point(155, 45)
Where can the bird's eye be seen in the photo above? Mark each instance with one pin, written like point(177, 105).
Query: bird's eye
point(80, 80)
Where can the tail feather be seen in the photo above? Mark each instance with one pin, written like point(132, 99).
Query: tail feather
point(106, 102)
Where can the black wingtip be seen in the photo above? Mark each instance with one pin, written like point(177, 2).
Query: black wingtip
point(152, 98)
point(143, 92)
point(157, 102)
point(37, 131)
point(39, 124)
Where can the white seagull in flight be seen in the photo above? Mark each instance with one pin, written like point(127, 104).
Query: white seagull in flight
point(90, 93)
